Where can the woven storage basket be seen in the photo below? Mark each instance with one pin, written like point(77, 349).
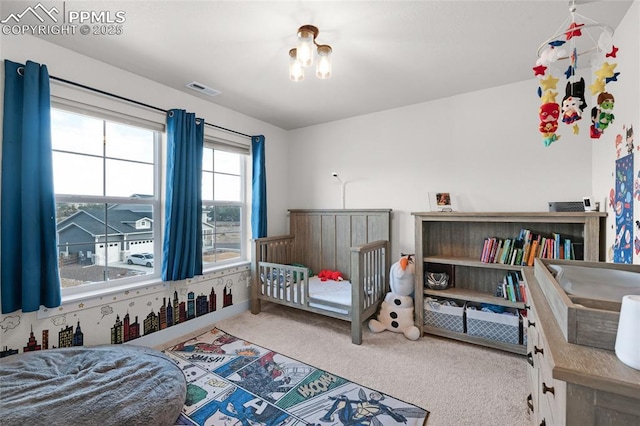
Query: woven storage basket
point(441, 316)
point(494, 326)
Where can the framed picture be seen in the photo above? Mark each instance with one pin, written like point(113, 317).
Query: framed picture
point(442, 202)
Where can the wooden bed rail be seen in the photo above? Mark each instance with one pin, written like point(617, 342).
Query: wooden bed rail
point(277, 249)
point(369, 284)
point(369, 247)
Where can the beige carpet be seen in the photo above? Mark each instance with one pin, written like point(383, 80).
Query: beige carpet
point(459, 383)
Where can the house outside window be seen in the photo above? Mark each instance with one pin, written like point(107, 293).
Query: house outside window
point(106, 179)
point(223, 205)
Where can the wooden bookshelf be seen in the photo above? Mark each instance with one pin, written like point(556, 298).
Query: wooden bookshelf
point(467, 295)
point(456, 239)
point(463, 337)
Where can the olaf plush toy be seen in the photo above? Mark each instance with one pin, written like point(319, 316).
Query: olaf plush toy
point(396, 311)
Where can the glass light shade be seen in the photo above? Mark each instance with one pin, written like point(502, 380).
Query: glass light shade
point(296, 72)
point(305, 47)
point(323, 68)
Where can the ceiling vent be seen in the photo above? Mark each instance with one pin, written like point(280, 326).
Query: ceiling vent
point(203, 89)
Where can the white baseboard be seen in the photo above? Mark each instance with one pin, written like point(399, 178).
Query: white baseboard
point(176, 333)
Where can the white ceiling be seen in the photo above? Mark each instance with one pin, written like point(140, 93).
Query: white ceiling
point(386, 54)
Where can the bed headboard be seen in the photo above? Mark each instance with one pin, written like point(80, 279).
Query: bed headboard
point(324, 237)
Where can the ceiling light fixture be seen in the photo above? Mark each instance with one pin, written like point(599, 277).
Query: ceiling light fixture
point(303, 55)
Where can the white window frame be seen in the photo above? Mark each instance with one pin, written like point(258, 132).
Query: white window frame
point(218, 144)
point(104, 287)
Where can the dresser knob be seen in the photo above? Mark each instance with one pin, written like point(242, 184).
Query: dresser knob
point(537, 350)
point(530, 402)
point(527, 306)
point(531, 324)
point(530, 358)
point(546, 389)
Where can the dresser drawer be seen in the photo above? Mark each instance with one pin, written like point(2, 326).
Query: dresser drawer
point(551, 392)
point(530, 323)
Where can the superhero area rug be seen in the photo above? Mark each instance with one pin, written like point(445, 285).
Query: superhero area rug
point(233, 382)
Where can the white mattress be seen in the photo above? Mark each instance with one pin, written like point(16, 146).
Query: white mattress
point(337, 292)
point(330, 291)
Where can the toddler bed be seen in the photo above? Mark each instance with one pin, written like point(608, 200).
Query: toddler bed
point(353, 242)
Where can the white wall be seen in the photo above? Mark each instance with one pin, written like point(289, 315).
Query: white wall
point(627, 112)
point(482, 146)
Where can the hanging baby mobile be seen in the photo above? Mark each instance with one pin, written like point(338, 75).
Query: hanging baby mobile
point(579, 39)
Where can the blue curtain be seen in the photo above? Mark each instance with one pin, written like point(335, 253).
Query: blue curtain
point(259, 189)
point(29, 258)
point(182, 246)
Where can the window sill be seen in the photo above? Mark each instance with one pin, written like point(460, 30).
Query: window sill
point(103, 297)
point(92, 299)
point(226, 266)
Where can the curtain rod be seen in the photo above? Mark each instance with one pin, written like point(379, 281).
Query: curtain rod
point(122, 98)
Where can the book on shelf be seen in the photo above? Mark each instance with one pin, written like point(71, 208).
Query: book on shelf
point(519, 256)
point(567, 249)
point(529, 245)
point(492, 243)
point(549, 251)
point(527, 248)
point(512, 296)
point(512, 287)
point(556, 246)
point(498, 255)
point(516, 250)
point(522, 233)
point(516, 284)
point(535, 250)
point(494, 249)
point(523, 291)
point(578, 250)
point(506, 249)
point(543, 247)
point(486, 250)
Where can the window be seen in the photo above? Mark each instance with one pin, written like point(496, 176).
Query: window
point(106, 178)
point(223, 205)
